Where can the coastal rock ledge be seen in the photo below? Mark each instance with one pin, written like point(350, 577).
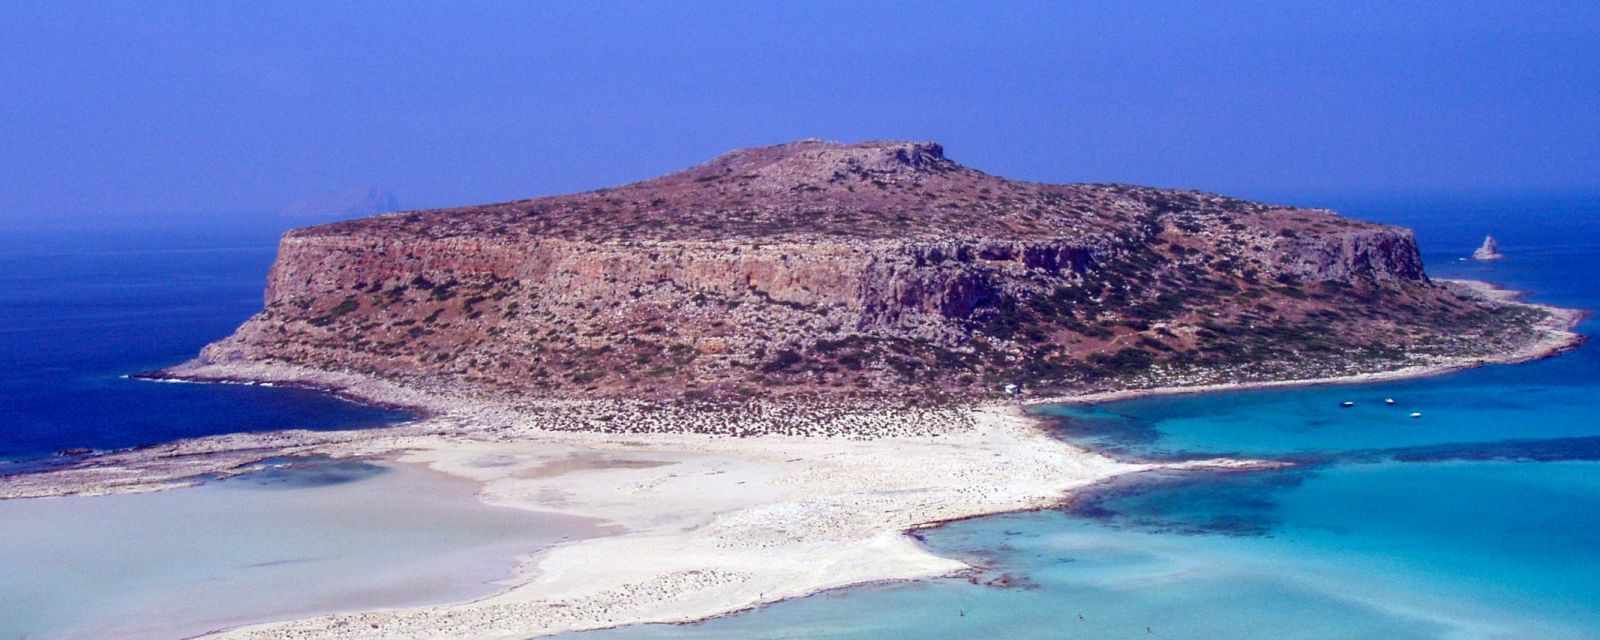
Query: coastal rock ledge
point(857, 271)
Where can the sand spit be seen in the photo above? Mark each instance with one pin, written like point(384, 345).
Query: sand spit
point(716, 525)
point(721, 524)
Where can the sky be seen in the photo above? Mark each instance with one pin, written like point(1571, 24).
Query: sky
point(128, 111)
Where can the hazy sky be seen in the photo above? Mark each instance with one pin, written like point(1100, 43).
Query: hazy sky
point(250, 106)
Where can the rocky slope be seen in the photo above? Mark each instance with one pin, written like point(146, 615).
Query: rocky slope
point(852, 271)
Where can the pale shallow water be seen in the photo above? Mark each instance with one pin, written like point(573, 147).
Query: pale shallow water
point(313, 537)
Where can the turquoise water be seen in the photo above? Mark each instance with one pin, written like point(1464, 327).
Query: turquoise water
point(1479, 520)
point(1508, 405)
point(1382, 550)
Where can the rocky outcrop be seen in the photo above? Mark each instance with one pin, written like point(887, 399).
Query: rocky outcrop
point(818, 268)
point(1490, 250)
point(1364, 254)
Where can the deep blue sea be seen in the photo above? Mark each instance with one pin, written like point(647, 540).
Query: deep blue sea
point(80, 310)
point(1479, 520)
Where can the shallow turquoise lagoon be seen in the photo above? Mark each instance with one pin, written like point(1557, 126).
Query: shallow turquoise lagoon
point(1516, 407)
point(1385, 549)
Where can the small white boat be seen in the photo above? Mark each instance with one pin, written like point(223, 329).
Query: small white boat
point(1416, 414)
point(1388, 401)
point(1347, 404)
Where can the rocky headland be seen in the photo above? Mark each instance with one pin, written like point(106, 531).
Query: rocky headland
point(857, 272)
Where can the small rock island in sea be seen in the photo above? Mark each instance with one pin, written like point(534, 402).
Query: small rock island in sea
point(1490, 250)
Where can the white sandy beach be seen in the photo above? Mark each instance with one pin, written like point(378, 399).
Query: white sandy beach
point(716, 525)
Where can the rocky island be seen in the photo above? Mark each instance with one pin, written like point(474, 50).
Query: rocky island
point(769, 367)
point(857, 271)
point(1489, 250)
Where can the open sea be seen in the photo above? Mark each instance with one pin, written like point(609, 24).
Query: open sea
point(81, 310)
point(1479, 520)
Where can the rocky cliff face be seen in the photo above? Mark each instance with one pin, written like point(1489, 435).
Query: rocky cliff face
point(817, 268)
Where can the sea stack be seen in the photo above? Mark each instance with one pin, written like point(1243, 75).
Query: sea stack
point(1489, 251)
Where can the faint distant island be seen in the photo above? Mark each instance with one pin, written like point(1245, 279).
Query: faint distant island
point(347, 203)
point(767, 368)
point(1489, 250)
